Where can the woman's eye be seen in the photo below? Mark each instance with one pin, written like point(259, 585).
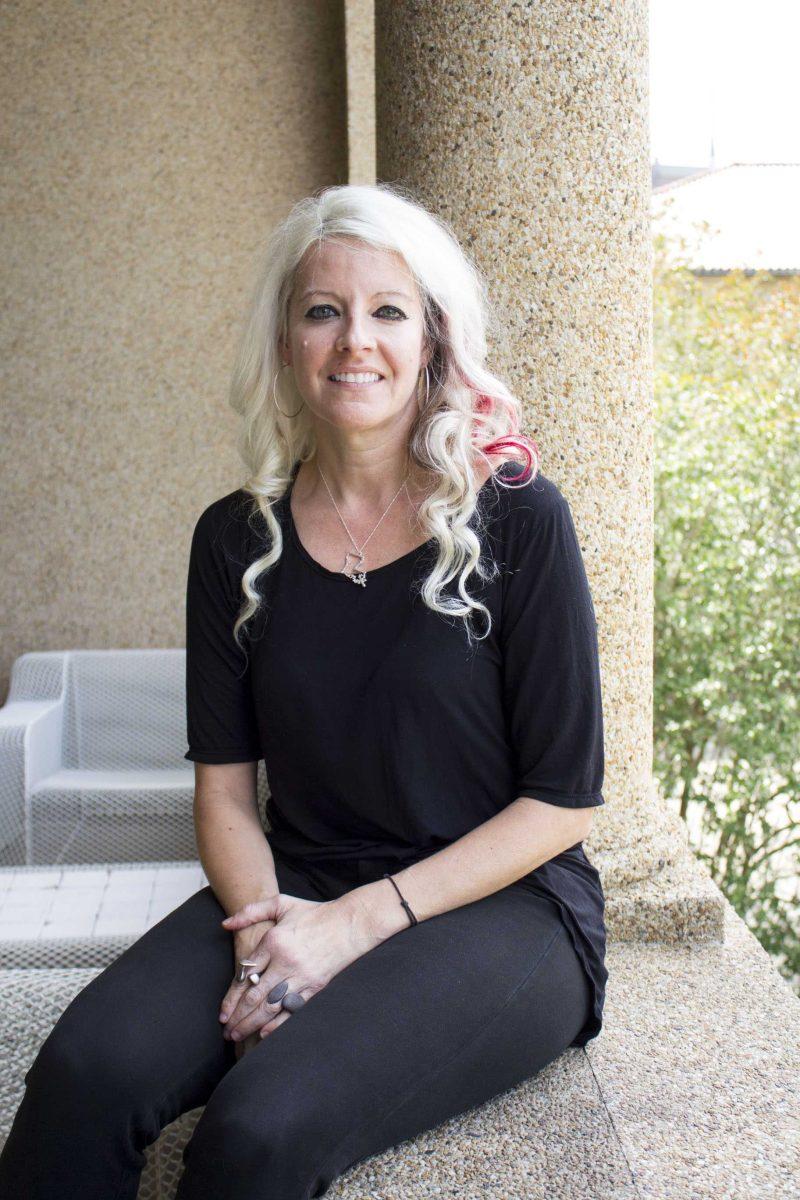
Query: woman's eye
point(384, 308)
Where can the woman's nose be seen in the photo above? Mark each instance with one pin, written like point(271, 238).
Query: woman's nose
point(355, 334)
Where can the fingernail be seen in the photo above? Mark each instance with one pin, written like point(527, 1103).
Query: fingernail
point(223, 1016)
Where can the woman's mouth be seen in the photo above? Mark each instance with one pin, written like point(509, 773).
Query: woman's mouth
point(356, 379)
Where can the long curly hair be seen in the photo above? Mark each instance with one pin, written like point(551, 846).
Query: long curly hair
point(468, 414)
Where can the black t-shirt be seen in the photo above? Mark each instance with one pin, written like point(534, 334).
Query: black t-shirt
point(382, 732)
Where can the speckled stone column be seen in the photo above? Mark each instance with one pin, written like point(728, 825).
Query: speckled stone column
point(525, 126)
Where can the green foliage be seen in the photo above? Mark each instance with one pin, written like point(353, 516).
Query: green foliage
point(727, 583)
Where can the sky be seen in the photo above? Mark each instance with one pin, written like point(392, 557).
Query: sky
point(727, 69)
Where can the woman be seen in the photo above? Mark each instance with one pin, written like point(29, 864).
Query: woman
point(394, 614)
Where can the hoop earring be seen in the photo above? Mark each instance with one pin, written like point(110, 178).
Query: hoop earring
point(422, 407)
point(275, 398)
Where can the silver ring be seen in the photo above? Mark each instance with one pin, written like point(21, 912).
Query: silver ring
point(242, 975)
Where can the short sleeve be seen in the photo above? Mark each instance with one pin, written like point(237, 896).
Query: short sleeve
point(220, 712)
point(551, 673)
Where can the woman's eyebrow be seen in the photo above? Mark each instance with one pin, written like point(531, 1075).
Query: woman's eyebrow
point(321, 292)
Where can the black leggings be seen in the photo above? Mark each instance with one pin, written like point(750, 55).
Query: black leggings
point(441, 1017)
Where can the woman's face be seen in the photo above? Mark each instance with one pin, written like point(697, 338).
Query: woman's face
point(355, 309)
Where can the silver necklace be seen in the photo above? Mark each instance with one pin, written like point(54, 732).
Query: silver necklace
point(357, 576)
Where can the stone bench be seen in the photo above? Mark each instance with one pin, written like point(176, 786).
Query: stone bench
point(689, 1092)
point(516, 1139)
point(686, 1093)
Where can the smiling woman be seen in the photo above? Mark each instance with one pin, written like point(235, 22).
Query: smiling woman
point(356, 359)
point(376, 286)
point(393, 613)
point(342, 332)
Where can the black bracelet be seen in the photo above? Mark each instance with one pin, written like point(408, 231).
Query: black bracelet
point(411, 918)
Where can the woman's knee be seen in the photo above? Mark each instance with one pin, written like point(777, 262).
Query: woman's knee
point(272, 1130)
point(92, 1050)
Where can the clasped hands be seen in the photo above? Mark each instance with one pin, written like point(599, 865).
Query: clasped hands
point(305, 942)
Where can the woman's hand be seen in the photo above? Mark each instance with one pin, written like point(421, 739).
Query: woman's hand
point(307, 944)
point(244, 943)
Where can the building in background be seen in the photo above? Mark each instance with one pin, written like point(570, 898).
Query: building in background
point(740, 217)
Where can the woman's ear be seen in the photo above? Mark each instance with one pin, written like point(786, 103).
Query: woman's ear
point(284, 348)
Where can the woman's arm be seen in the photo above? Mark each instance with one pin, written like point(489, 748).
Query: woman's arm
point(552, 697)
point(509, 845)
point(233, 850)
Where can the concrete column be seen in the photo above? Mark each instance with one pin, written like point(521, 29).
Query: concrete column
point(526, 127)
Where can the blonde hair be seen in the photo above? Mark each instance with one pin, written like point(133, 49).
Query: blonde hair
point(470, 413)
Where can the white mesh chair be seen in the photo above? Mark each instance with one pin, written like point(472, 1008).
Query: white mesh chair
point(91, 758)
point(91, 772)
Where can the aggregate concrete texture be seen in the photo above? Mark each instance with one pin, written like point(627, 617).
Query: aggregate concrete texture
point(525, 127)
point(150, 149)
point(690, 1092)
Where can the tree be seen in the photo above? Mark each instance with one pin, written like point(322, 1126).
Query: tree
point(727, 582)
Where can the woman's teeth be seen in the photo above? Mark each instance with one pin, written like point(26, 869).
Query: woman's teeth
point(370, 378)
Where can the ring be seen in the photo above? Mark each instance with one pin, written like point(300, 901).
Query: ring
point(291, 1001)
point(242, 975)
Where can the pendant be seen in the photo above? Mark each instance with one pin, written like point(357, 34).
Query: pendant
point(356, 576)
